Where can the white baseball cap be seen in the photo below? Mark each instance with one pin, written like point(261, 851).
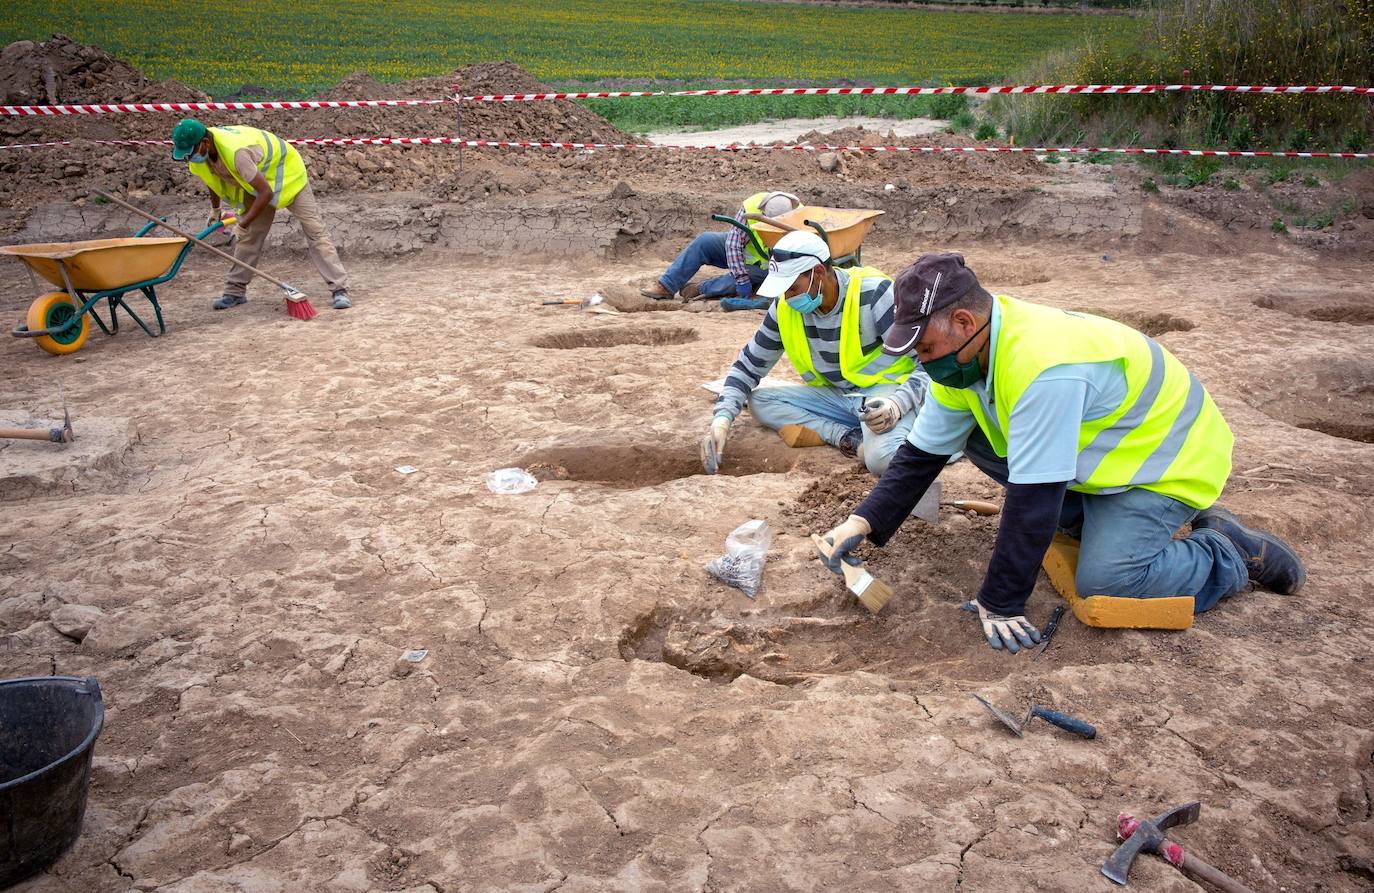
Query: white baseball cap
point(794, 254)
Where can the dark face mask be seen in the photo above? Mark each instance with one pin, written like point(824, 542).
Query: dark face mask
point(948, 371)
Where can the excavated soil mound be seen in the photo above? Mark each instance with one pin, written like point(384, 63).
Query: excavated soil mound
point(62, 71)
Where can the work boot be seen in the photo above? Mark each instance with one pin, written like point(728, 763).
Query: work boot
point(1270, 561)
point(341, 301)
point(227, 301)
point(657, 292)
point(851, 441)
point(690, 292)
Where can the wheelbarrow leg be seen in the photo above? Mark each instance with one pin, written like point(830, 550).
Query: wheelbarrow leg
point(152, 299)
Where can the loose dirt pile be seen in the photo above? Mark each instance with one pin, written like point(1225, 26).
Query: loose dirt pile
point(87, 74)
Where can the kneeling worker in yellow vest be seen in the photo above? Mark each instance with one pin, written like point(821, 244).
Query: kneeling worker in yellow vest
point(1091, 426)
point(258, 173)
point(830, 322)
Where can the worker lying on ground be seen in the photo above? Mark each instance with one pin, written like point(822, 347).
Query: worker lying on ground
point(831, 324)
point(731, 251)
point(1091, 426)
point(258, 173)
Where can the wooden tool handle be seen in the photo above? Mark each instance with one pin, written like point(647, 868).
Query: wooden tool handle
point(977, 505)
point(34, 434)
point(773, 221)
point(1216, 877)
point(203, 244)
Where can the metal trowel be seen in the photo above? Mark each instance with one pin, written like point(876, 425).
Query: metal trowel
point(928, 509)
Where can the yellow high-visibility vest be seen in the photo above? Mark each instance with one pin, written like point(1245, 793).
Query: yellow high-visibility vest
point(1167, 435)
point(754, 205)
point(854, 363)
point(281, 166)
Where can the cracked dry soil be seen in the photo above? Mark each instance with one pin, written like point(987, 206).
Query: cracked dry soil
point(595, 712)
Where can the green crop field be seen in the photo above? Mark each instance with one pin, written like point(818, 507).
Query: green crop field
point(293, 49)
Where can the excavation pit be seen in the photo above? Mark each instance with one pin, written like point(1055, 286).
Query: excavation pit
point(1152, 324)
point(631, 466)
point(646, 336)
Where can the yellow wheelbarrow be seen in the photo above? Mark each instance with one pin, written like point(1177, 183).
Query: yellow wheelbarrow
point(843, 229)
point(92, 271)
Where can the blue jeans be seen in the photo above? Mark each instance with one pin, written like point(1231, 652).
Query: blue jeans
point(830, 414)
point(707, 250)
point(1127, 542)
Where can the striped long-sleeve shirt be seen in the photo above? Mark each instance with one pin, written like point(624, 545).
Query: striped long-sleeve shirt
point(758, 357)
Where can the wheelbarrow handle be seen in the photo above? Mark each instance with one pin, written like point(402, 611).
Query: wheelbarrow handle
point(820, 230)
point(752, 236)
point(206, 245)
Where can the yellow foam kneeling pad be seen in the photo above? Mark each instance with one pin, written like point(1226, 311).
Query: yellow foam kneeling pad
point(1110, 611)
point(800, 436)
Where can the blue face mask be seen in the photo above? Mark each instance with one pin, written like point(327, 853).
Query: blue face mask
point(199, 157)
point(808, 302)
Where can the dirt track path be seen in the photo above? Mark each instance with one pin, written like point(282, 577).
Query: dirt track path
point(262, 566)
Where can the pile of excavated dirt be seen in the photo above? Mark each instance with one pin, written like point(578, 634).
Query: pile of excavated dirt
point(86, 74)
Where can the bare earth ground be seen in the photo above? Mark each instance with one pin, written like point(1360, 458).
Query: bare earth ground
point(595, 712)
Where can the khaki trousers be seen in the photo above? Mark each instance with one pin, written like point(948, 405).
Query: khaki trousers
point(306, 211)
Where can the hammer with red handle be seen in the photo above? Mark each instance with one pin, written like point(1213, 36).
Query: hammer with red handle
point(1148, 836)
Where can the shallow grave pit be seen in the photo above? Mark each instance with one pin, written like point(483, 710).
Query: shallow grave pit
point(1152, 324)
point(631, 466)
point(1322, 305)
point(648, 336)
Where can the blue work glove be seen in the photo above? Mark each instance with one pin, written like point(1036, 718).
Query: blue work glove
point(842, 540)
point(1005, 630)
point(745, 290)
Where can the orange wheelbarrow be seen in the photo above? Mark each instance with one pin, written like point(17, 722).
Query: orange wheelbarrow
point(92, 271)
point(843, 229)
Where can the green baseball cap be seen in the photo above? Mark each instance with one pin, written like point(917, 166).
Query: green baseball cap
point(186, 136)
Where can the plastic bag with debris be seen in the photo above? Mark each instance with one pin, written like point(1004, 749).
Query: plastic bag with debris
point(746, 549)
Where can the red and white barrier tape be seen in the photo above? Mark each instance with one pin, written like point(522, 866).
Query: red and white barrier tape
point(1137, 89)
point(927, 91)
point(116, 108)
point(733, 147)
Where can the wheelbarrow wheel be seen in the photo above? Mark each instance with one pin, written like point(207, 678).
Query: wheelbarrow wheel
point(51, 311)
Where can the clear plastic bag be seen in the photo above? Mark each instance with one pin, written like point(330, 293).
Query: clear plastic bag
point(746, 549)
point(508, 481)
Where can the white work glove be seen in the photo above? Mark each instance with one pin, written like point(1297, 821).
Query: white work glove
point(880, 414)
point(844, 539)
point(713, 444)
point(1001, 630)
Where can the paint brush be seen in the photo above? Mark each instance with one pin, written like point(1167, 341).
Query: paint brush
point(871, 592)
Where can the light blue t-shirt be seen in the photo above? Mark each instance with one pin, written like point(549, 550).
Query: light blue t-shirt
point(1042, 440)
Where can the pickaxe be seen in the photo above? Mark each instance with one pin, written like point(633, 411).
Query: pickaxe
point(53, 435)
point(1138, 836)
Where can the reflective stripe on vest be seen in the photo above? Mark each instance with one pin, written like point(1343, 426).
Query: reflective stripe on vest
point(1166, 435)
point(281, 166)
point(855, 365)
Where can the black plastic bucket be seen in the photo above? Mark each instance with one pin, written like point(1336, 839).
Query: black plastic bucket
point(48, 727)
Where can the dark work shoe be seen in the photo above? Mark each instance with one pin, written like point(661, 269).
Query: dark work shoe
point(657, 291)
point(227, 301)
point(851, 441)
point(1270, 561)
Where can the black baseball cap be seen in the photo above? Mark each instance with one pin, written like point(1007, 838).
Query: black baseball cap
point(932, 283)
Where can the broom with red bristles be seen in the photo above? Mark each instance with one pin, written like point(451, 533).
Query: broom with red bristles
point(297, 304)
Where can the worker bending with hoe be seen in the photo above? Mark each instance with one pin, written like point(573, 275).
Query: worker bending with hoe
point(730, 251)
point(258, 173)
point(831, 323)
point(1091, 426)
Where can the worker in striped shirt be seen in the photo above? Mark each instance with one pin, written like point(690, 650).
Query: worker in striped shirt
point(830, 322)
point(730, 251)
